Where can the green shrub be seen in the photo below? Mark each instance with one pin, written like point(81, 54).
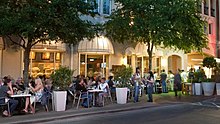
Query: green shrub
point(62, 78)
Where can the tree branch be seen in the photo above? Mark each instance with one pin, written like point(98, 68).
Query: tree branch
point(14, 41)
point(22, 40)
point(35, 43)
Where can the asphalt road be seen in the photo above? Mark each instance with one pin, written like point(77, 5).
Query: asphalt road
point(171, 114)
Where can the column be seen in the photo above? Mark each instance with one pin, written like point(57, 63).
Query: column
point(71, 57)
point(79, 64)
point(142, 66)
point(103, 67)
point(86, 65)
point(54, 61)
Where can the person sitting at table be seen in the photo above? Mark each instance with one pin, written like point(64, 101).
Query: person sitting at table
point(105, 88)
point(6, 90)
point(38, 91)
point(81, 86)
point(19, 84)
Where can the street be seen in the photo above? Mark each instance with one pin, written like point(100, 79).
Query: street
point(175, 114)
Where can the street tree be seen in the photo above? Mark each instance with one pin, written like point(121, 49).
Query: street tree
point(37, 21)
point(172, 24)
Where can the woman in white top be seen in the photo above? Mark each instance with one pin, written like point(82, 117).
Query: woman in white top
point(38, 91)
point(105, 88)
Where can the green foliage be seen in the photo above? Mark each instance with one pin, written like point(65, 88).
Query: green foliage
point(62, 77)
point(167, 23)
point(122, 76)
point(209, 62)
point(37, 21)
point(199, 77)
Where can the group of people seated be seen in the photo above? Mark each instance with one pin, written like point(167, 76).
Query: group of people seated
point(83, 85)
point(35, 87)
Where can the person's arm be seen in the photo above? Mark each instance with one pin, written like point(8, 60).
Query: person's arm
point(151, 80)
point(10, 91)
point(38, 87)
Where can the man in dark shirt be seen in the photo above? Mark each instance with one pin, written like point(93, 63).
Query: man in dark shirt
point(5, 91)
point(163, 78)
point(81, 86)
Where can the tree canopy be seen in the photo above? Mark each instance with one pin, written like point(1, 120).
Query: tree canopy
point(34, 21)
point(165, 23)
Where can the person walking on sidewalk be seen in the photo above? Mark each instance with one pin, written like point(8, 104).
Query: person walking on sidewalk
point(177, 84)
point(163, 78)
point(150, 85)
point(136, 80)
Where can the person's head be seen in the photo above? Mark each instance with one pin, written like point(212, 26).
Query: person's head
point(19, 80)
point(151, 74)
point(170, 72)
point(7, 81)
point(103, 80)
point(110, 77)
point(137, 70)
point(81, 81)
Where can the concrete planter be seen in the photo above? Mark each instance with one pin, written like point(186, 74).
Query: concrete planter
point(121, 94)
point(197, 89)
point(208, 88)
point(59, 100)
point(218, 88)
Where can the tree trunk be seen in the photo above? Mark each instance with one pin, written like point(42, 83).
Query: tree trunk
point(26, 64)
point(150, 60)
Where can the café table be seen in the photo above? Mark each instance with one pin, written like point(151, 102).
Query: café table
point(20, 95)
point(94, 91)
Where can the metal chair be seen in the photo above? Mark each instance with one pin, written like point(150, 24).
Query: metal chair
point(5, 103)
point(78, 96)
point(108, 96)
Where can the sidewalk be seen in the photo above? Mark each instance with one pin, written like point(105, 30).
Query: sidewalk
point(41, 116)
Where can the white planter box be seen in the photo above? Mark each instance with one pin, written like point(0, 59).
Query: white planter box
point(121, 94)
point(59, 100)
point(197, 89)
point(208, 88)
point(218, 88)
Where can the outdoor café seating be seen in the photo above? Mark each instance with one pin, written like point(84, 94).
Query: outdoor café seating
point(78, 98)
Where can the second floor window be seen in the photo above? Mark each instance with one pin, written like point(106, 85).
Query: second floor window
point(106, 6)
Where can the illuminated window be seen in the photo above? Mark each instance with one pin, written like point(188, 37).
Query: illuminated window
point(45, 56)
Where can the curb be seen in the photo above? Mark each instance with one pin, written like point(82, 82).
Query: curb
point(82, 114)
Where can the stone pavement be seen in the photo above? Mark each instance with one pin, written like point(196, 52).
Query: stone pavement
point(42, 116)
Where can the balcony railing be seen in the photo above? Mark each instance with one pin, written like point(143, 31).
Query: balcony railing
point(213, 12)
point(206, 10)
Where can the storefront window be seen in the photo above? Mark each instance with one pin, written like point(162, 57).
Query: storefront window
point(94, 65)
point(43, 63)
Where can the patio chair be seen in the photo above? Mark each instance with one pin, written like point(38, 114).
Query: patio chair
point(4, 104)
point(78, 98)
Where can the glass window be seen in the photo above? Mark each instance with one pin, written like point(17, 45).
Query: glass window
point(210, 28)
point(129, 61)
point(106, 6)
point(95, 4)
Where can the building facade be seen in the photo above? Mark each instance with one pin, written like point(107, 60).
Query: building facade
point(100, 55)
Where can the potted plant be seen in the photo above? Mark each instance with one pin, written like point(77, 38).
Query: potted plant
point(217, 78)
point(61, 79)
point(196, 83)
point(122, 77)
point(208, 84)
